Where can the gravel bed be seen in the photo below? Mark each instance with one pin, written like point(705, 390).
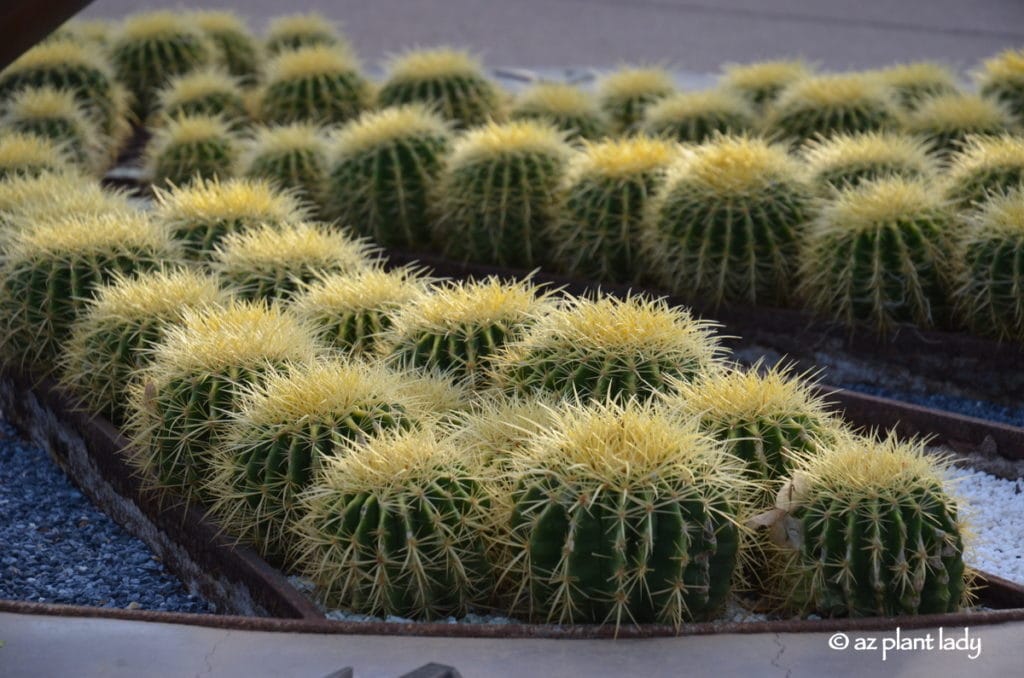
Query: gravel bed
point(948, 403)
point(56, 547)
point(994, 511)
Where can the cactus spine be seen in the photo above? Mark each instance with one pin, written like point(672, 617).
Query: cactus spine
point(761, 83)
point(914, 83)
point(294, 157)
point(381, 170)
point(27, 201)
point(850, 159)
point(235, 49)
point(565, 107)
point(1002, 78)
point(945, 121)
point(985, 165)
point(56, 115)
point(318, 85)
point(191, 148)
point(696, 117)
point(206, 91)
point(625, 94)
point(30, 155)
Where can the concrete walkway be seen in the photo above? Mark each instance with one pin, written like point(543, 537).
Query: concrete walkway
point(35, 646)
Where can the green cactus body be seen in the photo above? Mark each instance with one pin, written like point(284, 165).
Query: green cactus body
point(395, 526)
point(181, 403)
point(873, 534)
point(604, 197)
point(25, 155)
point(189, 149)
point(760, 83)
point(352, 312)
point(201, 214)
point(449, 82)
point(565, 107)
point(459, 327)
point(696, 117)
point(110, 340)
point(850, 159)
point(298, 31)
point(294, 157)
point(381, 169)
point(235, 48)
point(985, 165)
point(625, 94)
point(1002, 78)
point(50, 271)
point(497, 196)
point(622, 514)
point(990, 267)
point(946, 121)
point(153, 47)
point(879, 253)
point(56, 115)
point(206, 92)
point(318, 85)
point(726, 224)
point(914, 83)
point(273, 262)
point(607, 348)
point(832, 104)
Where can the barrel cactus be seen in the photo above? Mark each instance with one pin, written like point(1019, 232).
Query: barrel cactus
point(915, 82)
point(984, 165)
point(945, 121)
point(604, 197)
point(351, 312)
point(29, 200)
point(235, 49)
point(29, 155)
point(450, 82)
point(850, 159)
point(566, 107)
point(56, 115)
point(202, 213)
point(695, 117)
point(191, 148)
point(498, 431)
point(381, 169)
point(272, 262)
point(879, 253)
point(607, 348)
point(183, 400)
point(989, 274)
point(726, 225)
point(1002, 78)
point(112, 338)
point(51, 269)
point(867, 529)
point(152, 47)
point(206, 91)
point(622, 514)
point(625, 94)
point(297, 31)
point(319, 85)
point(497, 196)
point(294, 157)
point(395, 525)
point(84, 31)
point(761, 82)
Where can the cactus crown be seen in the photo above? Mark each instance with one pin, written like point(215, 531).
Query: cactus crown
point(159, 293)
point(899, 153)
point(983, 152)
point(621, 157)
point(270, 247)
point(686, 104)
point(520, 137)
point(197, 84)
point(187, 129)
point(922, 76)
point(218, 21)
point(374, 129)
point(152, 25)
point(627, 83)
point(880, 202)
point(20, 193)
point(557, 98)
point(30, 154)
point(955, 112)
point(283, 139)
point(499, 429)
point(370, 287)
point(60, 53)
point(305, 29)
point(736, 164)
point(764, 75)
point(1007, 65)
point(46, 102)
point(1000, 216)
point(433, 63)
point(96, 31)
point(310, 61)
point(83, 235)
point(481, 302)
point(834, 90)
point(212, 200)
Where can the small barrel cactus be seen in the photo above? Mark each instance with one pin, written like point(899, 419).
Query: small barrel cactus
point(191, 148)
point(622, 514)
point(604, 197)
point(235, 49)
point(297, 31)
point(607, 348)
point(29, 155)
point(565, 107)
point(915, 82)
point(26, 201)
point(351, 312)
point(56, 115)
point(879, 253)
point(848, 159)
point(200, 214)
point(990, 274)
point(294, 157)
point(206, 91)
point(866, 529)
point(625, 94)
point(761, 82)
point(695, 117)
point(984, 165)
point(497, 196)
point(319, 85)
point(182, 402)
point(831, 104)
point(84, 31)
point(450, 82)
point(112, 337)
point(497, 432)
point(726, 225)
point(396, 525)
point(381, 169)
point(1002, 79)
point(459, 326)
point(945, 121)
point(51, 269)
point(151, 48)
point(272, 262)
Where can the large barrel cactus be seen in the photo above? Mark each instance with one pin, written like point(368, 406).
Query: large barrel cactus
point(296, 31)
point(761, 82)
point(319, 85)
point(625, 94)
point(191, 148)
point(914, 83)
point(1002, 78)
point(207, 91)
point(293, 157)
point(566, 107)
point(984, 165)
point(696, 117)
point(56, 115)
point(945, 121)
point(29, 155)
point(235, 48)
point(844, 160)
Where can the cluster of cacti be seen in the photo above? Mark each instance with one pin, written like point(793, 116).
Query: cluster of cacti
point(449, 82)
point(293, 157)
point(849, 159)
point(566, 107)
point(381, 169)
point(273, 262)
point(1002, 78)
point(727, 223)
point(625, 94)
point(760, 83)
point(946, 120)
point(984, 165)
point(191, 148)
point(914, 83)
point(205, 92)
point(29, 155)
point(235, 49)
point(56, 115)
point(695, 117)
point(296, 31)
point(498, 193)
point(319, 85)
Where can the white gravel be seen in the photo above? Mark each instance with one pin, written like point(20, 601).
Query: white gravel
point(994, 512)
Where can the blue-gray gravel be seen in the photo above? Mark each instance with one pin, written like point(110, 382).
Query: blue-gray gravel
point(949, 403)
point(56, 547)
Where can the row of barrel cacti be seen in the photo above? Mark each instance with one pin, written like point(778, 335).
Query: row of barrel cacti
point(425, 448)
